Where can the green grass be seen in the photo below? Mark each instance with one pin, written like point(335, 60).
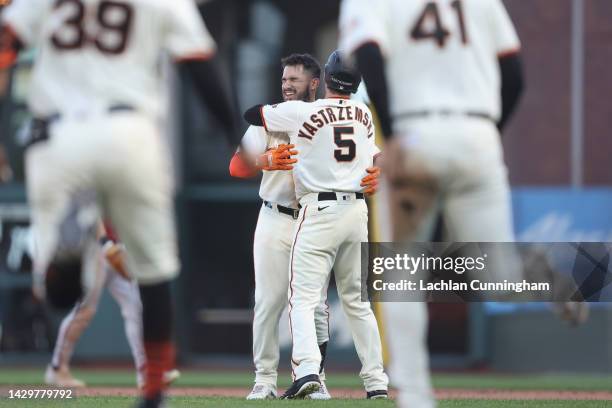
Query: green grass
point(189, 402)
point(553, 382)
point(244, 379)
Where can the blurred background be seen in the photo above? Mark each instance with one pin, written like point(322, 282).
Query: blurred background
point(557, 149)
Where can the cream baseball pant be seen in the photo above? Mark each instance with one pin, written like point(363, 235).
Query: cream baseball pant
point(121, 156)
point(127, 296)
point(271, 250)
point(329, 235)
point(453, 165)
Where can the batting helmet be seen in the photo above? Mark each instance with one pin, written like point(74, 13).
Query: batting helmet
point(63, 282)
point(340, 75)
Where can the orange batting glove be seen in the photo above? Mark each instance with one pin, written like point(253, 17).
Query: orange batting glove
point(277, 159)
point(370, 182)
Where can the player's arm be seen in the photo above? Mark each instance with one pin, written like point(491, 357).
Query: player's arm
point(364, 34)
point(282, 117)
point(188, 41)
point(247, 166)
point(371, 64)
point(206, 75)
point(507, 45)
point(512, 85)
point(113, 250)
point(10, 46)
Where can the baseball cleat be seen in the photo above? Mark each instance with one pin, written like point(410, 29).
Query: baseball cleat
point(262, 392)
point(377, 394)
point(303, 387)
point(322, 394)
point(155, 402)
point(61, 378)
point(171, 376)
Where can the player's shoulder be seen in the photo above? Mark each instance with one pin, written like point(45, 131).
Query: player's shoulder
point(255, 131)
point(291, 104)
point(164, 7)
point(359, 104)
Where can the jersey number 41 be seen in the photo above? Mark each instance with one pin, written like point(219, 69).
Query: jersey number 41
point(111, 17)
point(439, 33)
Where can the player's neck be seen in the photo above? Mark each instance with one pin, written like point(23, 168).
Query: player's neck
point(334, 95)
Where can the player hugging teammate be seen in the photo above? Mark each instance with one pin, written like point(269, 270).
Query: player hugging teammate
point(334, 139)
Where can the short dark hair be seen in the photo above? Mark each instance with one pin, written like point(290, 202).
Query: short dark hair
point(309, 63)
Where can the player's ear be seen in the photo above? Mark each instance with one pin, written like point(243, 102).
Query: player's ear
point(314, 84)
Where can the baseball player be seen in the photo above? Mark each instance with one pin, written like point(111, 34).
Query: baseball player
point(444, 77)
point(95, 95)
point(274, 231)
point(335, 140)
point(124, 290)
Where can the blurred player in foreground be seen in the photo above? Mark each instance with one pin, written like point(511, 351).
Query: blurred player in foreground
point(113, 275)
point(96, 99)
point(444, 77)
point(335, 140)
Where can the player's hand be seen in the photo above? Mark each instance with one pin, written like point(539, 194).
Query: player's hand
point(370, 182)
point(279, 158)
point(115, 256)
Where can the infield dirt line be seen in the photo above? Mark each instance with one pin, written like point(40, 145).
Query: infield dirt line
point(442, 394)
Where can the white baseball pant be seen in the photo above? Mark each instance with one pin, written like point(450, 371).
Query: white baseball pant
point(454, 165)
point(271, 250)
point(127, 296)
point(329, 235)
point(122, 157)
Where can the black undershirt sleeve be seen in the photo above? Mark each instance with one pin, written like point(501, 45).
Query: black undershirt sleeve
point(512, 85)
point(253, 116)
point(211, 87)
point(371, 64)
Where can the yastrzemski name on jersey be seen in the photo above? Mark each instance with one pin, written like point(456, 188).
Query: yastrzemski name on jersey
point(332, 115)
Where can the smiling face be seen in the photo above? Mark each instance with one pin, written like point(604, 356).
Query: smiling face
point(298, 84)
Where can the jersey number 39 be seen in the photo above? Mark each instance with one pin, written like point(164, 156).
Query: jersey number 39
point(113, 18)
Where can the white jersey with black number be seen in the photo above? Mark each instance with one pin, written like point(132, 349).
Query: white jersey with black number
point(276, 186)
point(449, 48)
point(93, 54)
point(334, 138)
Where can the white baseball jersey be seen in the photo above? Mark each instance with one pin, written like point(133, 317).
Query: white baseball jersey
point(334, 138)
point(276, 186)
point(451, 46)
point(96, 53)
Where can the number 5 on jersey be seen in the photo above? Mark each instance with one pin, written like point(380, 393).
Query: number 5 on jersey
point(341, 154)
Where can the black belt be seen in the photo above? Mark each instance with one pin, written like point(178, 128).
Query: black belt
point(329, 196)
point(444, 112)
point(39, 131)
point(285, 210)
